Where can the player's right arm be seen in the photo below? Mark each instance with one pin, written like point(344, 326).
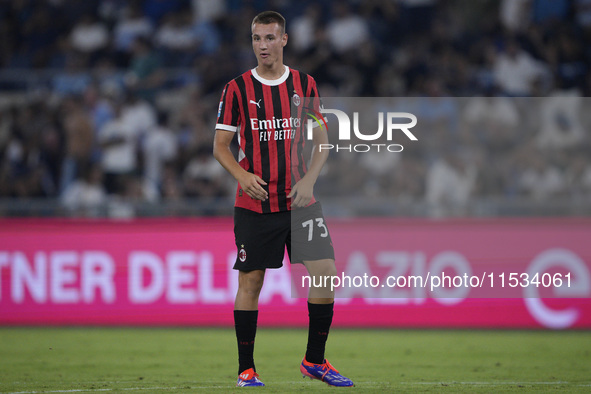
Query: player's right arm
point(249, 182)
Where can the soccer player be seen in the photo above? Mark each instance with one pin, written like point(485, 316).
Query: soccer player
point(264, 106)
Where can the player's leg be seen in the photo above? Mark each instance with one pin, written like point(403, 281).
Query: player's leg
point(320, 309)
point(311, 244)
point(320, 312)
point(245, 323)
point(250, 284)
point(260, 240)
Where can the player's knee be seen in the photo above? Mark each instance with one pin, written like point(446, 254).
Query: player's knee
point(254, 284)
point(251, 283)
point(323, 268)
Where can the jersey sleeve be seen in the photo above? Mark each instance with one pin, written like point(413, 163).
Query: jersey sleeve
point(228, 110)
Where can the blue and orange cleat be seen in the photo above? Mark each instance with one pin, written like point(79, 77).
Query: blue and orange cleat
point(326, 373)
point(249, 378)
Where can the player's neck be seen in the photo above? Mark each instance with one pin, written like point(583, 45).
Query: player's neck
point(275, 71)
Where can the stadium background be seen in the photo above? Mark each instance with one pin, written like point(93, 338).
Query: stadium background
point(79, 76)
point(139, 234)
point(68, 68)
point(108, 111)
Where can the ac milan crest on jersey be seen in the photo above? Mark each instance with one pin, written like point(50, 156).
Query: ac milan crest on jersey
point(296, 100)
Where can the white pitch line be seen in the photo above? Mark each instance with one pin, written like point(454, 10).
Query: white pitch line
point(485, 383)
point(360, 383)
point(85, 383)
point(109, 389)
point(137, 388)
point(56, 391)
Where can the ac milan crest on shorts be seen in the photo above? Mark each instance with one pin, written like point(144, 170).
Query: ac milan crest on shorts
point(242, 254)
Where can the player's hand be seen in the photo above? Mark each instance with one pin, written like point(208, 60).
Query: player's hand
point(251, 184)
point(301, 193)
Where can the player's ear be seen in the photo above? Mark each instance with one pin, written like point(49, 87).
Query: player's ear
point(284, 40)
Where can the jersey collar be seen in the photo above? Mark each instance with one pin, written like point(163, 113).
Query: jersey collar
point(271, 82)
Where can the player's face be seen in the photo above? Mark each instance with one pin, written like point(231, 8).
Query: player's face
point(268, 43)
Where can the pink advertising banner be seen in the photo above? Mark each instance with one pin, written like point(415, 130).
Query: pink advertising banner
point(498, 273)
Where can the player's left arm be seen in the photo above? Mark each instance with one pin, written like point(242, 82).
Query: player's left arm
point(303, 191)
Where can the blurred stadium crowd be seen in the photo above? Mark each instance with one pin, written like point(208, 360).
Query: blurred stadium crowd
point(107, 104)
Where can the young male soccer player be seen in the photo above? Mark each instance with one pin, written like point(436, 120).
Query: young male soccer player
point(264, 107)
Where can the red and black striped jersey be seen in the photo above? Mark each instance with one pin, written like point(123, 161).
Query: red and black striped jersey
point(268, 116)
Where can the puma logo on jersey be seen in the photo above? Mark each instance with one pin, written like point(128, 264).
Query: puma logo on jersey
point(257, 103)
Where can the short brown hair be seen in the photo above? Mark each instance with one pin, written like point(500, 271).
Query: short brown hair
point(268, 17)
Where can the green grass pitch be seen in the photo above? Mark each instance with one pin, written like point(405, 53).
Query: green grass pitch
point(182, 360)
